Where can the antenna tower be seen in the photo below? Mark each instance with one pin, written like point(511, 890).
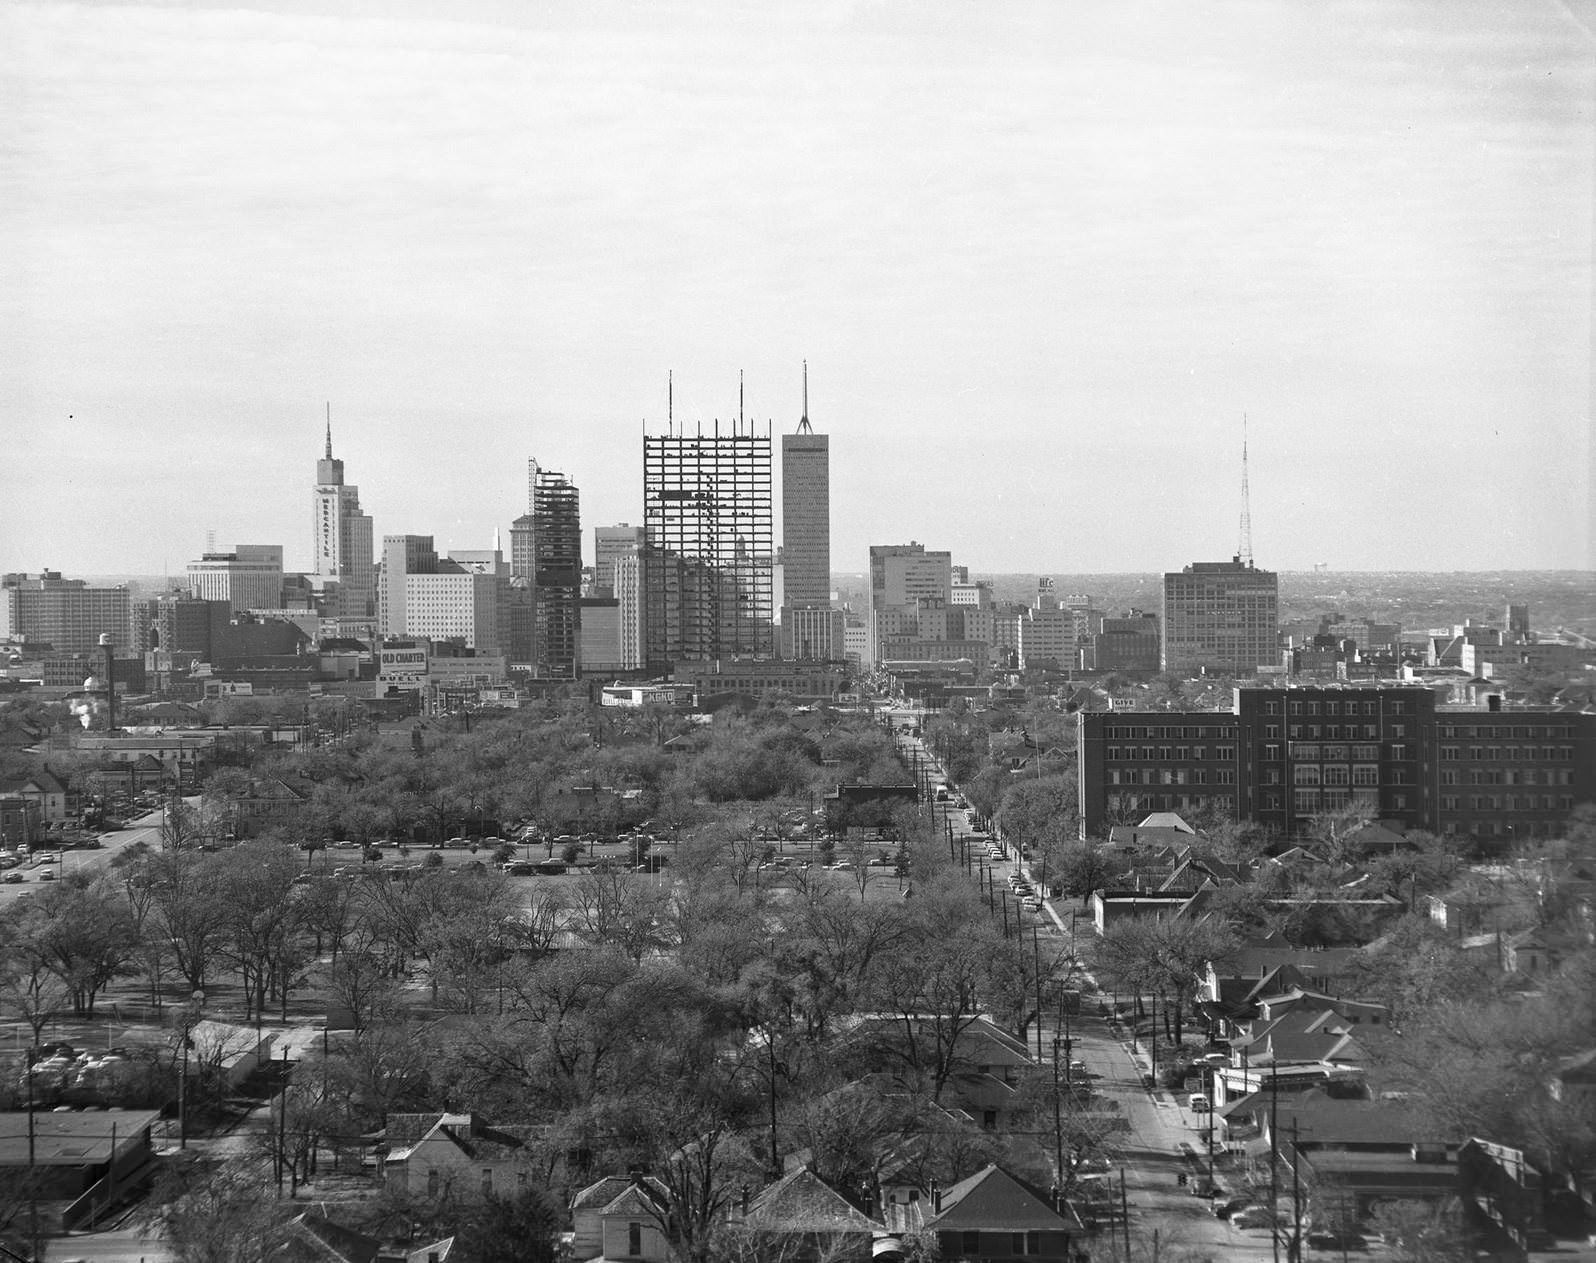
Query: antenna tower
point(1244, 544)
point(803, 421)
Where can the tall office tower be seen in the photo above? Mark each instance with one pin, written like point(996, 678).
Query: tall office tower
point(341, 541)
point(66, 614)
point(707, 573)
point(248, 578)
point(611, 543)
point(1221, 616)
point(555, 554)
point(807, 629)
point(806, 512)
point(901, 575)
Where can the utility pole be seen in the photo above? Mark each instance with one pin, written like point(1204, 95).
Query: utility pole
point(1124, 1213)
point(1296, 1199)
point(1058, 1118)
point(33, 1180)
point(282, 1123)
point(1213, 1080)
point(1036, 965)
point(1274, 1158)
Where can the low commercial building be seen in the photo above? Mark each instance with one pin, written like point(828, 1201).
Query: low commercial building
point(73, 1151)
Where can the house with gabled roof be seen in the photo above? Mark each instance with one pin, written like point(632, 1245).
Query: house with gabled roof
point(55, 802)
point(459, 1154)
point(1193, 869)
point(334, 1243)
point(1301, 1034)
point(1537, 951)
point(995, 1215)
point(986, 1068)
point(1364, 1013)
point(266, 801)
point(620, 1217)
point(1227, 1000)
point(804, 1219)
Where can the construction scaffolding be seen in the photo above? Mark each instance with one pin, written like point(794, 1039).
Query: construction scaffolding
point(556, 573)
point(710, 551)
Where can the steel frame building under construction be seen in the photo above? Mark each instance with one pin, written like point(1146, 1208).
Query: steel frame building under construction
point(556, 512)
point(708, 565)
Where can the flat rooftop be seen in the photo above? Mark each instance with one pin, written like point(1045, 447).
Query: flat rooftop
point(71, 1137)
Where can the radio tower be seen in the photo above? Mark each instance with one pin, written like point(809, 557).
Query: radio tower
point(1244, 543)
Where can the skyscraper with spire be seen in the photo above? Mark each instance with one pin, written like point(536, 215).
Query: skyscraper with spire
point(341, 545)
point(806, 615)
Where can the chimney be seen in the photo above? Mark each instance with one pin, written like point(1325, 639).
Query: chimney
point(745, 1201)
point(936, 1198)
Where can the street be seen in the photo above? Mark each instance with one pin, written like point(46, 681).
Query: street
point(146, 829)
point(1148, 1154)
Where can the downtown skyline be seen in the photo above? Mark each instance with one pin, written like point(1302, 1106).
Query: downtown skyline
point(1040, 263)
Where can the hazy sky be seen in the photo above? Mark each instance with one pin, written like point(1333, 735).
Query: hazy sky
point(1040, 257)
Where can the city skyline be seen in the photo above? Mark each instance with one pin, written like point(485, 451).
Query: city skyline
point(1041, 261)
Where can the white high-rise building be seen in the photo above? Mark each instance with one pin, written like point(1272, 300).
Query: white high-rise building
point(341, 542)
point(423, 595)
point(248, 578)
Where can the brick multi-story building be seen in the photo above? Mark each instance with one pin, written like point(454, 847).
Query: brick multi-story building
point(1221, 616)
point(66, 614)
point(1282, 756)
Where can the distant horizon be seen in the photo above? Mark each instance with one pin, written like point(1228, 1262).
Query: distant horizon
point(1052, 267)
point(974, 574)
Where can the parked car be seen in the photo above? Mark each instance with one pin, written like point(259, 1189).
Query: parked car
point(13, 876)
point(1255, 1217)
point(1198, 1102)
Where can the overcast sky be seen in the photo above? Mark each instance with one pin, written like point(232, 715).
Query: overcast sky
point(1041, 259)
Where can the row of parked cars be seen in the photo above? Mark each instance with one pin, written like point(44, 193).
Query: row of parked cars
point(1019, 883)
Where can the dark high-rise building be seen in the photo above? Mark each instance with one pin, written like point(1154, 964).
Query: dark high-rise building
point(806, 513)
point(546, 553)
point(708, 567)
point(807, 630)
